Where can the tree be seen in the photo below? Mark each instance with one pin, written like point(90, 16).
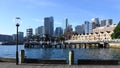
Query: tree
point(116, 32)
point(36, 37)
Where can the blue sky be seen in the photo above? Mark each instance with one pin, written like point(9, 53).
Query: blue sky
point(32, 12)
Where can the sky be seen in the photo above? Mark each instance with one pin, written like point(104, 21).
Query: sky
point(33, 12)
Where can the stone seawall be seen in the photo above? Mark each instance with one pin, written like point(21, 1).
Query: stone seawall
point(114, 45)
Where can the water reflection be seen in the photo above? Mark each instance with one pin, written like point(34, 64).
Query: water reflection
point(80, 53)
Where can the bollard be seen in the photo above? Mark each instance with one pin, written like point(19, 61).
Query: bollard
point(71, 57)
point(22, 56)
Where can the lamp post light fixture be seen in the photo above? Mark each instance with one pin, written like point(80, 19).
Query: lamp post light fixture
point(17, 20)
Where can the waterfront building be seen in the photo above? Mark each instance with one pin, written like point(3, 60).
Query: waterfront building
point(99, 34)
point(109, 22)
point(103, 22)
point(58, 31)
point(5, 38)
point(69, 32)
point(20, 36)
point(29, 32)
point(78, 29)
point(39, 31)
point(49, 25)
point(87, 27)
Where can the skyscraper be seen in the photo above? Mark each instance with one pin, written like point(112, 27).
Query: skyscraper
point(83, 29)
point(87, 27)
point(78, 29)
point(90, 28)
point(58, 31)
point(20, 36)
point(95, 23)
point(29, 32)
point(66, 25)
point(109, 22)
point(49, 25)
point(39, 31)
point(103, 22)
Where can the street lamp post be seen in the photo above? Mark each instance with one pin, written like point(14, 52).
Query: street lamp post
point(17, 25)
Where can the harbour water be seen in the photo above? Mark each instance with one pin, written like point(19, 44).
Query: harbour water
point(9, 51)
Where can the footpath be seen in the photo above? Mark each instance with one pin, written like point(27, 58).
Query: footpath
point(13, 65)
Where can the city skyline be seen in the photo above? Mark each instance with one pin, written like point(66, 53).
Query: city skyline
point(32, 12)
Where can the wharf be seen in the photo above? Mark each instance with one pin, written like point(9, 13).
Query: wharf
point(13, 65)
point(66, 44)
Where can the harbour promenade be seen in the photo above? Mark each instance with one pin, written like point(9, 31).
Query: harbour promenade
point(13, 65)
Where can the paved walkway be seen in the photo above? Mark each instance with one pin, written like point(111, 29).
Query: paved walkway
point(13, 65)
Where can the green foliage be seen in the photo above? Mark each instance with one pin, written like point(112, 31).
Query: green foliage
point(36, 37)
point(116, 32)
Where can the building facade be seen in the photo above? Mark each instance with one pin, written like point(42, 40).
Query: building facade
point(87, 27)
point(58, 31)
point(99, 34)
point(29, 32)
point(83, 29)
point(90, 28)
point(39, 31)
point(20, 37)
point(78, 29)
point(109, 22)
point(49, 25)
point(103, 23)
point(95, 23)
point(5, 38)
point(69, 32)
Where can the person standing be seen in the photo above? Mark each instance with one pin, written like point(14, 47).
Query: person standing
point(105, 42)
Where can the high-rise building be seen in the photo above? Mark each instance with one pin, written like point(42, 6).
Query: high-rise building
point(103, 22)
point(90, 28)
point(66, 25)
point(39, 31)
point(109, 22)
point(78, 29)
point(87, 27)
point(58, 31)
point(20, 36)
point(14, 36)
point(83, 29)
point(49, 25)
point(95, 23)
point(29, 32)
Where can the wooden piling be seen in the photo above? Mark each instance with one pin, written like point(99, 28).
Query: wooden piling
point(22, 56)
point(71, 57)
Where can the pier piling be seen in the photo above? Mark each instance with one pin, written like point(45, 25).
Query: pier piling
point(71, 57)
point(22, 56)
